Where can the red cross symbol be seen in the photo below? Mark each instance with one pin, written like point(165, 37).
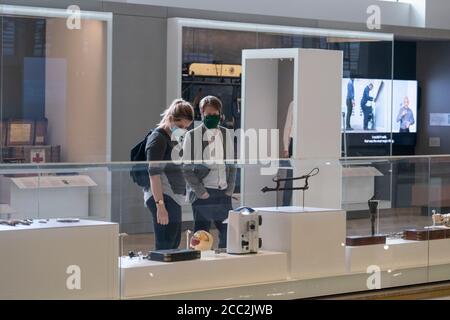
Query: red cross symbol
point(37, 158)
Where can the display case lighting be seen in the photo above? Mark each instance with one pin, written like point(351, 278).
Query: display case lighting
point(251, 27)
point(52, 13)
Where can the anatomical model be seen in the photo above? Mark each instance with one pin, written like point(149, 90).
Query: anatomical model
point(441, 219)
point(202, 240)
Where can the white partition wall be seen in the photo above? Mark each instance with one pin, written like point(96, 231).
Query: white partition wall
point(316, 120)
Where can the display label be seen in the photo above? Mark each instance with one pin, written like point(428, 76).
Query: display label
point(439, 119)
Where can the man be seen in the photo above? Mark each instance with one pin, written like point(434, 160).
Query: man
point(367, 110)
point(350, 102)
point(211, 182)
point(405, 116)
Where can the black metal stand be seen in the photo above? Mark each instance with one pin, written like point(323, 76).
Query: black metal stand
point(373, 209)
point(305, 187)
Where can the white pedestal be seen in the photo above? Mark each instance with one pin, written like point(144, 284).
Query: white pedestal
point(141, 277)
point(50, 197)
point(36, 259)
point(316, 130)
point(439, 252)
point(396, 254)
point(313, 239)
point(358, 186)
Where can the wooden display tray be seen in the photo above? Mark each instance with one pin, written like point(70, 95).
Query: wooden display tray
point(426, 234)
point(32, 154)
point(357, 241)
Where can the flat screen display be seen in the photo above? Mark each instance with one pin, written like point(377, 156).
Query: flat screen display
point(373, 108)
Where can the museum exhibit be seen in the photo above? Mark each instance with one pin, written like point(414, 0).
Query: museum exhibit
point(195, 150)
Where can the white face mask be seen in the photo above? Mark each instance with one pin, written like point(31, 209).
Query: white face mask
point(178, 133)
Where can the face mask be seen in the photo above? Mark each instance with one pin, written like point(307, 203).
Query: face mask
point(178, 133)
point(211, 121)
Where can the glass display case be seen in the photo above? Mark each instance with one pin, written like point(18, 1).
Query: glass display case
point(205, 57)
point(309, 219)
point(305, 250)
point(55, 72)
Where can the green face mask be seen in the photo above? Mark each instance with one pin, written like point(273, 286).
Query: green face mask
point(211, 121)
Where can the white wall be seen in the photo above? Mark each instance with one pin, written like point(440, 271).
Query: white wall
point(437, 14)
point(76, 90)
point(76, 99)
point(333, 10)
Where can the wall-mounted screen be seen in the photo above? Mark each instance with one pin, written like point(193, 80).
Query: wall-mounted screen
point(373, 108)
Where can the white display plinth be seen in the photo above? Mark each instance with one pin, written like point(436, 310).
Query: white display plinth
point(439, 252)
point(396, 254)
point(141, 277)
point(38, 261)
point(313, 238)
point(51, 196)
point(358, 186)
point(316, 131)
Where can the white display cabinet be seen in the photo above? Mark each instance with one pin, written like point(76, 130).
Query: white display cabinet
point(313, 238)
point(55, 260)
point(316, 120)
point(142, 278)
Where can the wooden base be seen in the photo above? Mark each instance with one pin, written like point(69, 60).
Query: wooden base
point(426, 234)
point(356, 241)
point(31, 154)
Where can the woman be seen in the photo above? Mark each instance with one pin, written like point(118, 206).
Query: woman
point(167, 184)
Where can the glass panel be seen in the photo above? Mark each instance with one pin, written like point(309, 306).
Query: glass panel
point(367, 119)
point(54, 90)
point(331, 250)
point(438, 219)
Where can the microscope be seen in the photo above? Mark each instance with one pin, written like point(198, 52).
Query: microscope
point(243, 231)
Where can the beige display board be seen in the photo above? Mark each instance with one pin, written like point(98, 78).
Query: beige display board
point(53, 196)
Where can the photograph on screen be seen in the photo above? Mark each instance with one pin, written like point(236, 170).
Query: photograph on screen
point(404, 114)
point(367, 106)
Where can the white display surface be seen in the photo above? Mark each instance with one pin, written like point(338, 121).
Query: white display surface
point(50, 196)
point(313, 238)
point(38, 261)
point(396, 254)
point(439, 252)
point(141, 277)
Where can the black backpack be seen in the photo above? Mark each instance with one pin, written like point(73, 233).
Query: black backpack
point(139, 172)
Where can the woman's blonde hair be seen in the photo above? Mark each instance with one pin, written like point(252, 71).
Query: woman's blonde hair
point(179, 109)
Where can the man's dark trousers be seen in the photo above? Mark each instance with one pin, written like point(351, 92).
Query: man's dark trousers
point(214, 209)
